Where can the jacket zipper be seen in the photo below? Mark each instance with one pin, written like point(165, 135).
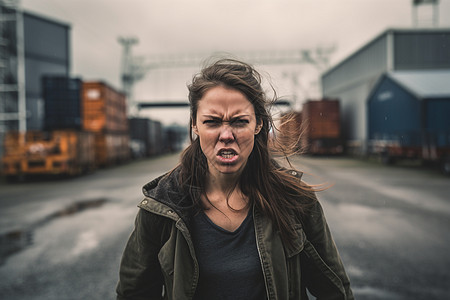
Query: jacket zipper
point(259, 253)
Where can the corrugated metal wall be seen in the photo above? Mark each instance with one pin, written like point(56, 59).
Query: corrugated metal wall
point(46, 53)
point(421, 50)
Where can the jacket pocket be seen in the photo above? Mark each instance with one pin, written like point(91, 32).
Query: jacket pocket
point(298, 243)
point(293, 262)
point(330, 282)
point(166, 257)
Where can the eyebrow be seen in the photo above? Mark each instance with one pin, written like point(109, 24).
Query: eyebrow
point(218, 117)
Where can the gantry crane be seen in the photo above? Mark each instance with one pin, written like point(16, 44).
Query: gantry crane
point(134, 68)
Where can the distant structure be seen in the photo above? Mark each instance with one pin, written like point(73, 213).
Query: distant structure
point(12, 77)
point(422, 17)
point(131, 71)
point(25, 42)
point(134, 68)
point(394, 51)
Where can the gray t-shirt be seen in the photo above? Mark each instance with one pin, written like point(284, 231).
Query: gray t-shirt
point(229, 263)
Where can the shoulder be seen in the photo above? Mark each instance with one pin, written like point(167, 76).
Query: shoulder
point(168, 180)
point(166, 188)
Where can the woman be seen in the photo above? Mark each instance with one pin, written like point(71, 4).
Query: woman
point(228, 222)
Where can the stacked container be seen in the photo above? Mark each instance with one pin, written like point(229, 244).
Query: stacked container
point(104, 113)
point(146, 136)
point(65, 151)
point(156, 138)
point(62, 103)
point(322, 130)
point(85, 124)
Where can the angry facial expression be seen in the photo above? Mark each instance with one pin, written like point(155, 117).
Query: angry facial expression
point(226, 126)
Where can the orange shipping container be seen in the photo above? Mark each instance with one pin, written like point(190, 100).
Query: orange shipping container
point(322, 119)
point(322, 129)
point(104, 108)
point(56, 152)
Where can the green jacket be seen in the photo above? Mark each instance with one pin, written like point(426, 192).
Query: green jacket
point(159, 261)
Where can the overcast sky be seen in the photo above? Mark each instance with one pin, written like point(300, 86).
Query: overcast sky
point(202, 26)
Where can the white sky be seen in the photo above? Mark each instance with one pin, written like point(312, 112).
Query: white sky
point(202, 26)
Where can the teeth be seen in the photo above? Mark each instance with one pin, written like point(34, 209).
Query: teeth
point(227, 154)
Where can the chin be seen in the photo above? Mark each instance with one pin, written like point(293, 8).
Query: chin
point(230, 169)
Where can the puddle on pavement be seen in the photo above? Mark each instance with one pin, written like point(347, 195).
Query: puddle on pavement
point(16, 240)
point(77, 207)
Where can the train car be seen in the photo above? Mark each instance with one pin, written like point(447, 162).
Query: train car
point(58, 152)
point(321, 132)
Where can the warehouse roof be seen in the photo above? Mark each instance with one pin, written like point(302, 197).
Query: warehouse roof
point(424, 83)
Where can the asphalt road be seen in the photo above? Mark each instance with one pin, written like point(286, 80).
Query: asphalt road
point(63, 239)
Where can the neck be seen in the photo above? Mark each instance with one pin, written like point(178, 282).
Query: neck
point(221, 183)
point(223, 193)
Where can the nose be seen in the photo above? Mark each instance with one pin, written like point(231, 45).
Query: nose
point(226, 134)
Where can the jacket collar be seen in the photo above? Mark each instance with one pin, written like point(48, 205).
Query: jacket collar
point(167, 190)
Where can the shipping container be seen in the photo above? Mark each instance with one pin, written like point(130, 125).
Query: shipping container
point(104, 108)
point(146, 137)
point(62, 102)
point(157, 143)
point(59, 152)
point(174, 137)
point(111, 148)
point(321, 132)
point(140, 136)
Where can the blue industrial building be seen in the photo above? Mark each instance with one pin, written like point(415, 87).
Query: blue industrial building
point(397, 59)
point(410, 111)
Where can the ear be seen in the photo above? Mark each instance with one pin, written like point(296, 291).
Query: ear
point(258, 128)
point(194, 129)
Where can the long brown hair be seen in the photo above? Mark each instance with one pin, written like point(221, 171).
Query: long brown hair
point(277, 193)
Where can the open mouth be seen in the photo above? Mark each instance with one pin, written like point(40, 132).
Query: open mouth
point(227, 153)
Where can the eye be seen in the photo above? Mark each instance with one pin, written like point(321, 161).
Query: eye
point(212, 122)
point(239, 122)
